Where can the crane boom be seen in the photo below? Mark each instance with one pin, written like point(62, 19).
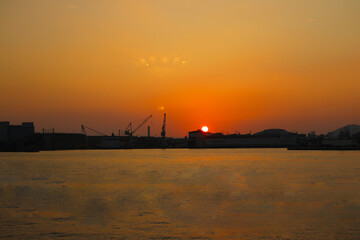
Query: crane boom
point(141, 124)
point(83, 130)
point(129, 130)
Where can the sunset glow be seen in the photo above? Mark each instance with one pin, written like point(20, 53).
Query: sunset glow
point(242, 65)
point(204, 129)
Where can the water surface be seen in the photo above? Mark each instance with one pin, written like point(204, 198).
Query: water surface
point(180, 194)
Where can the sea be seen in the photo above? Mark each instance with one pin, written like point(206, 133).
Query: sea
point(180, 194)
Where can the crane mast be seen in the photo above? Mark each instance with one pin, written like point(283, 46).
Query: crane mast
point(163, 129)
point(128, 130)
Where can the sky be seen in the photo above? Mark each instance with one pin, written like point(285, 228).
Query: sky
point(232, 65)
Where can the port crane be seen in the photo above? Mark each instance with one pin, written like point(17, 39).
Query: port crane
point(129, 129)
point(163, 129)
point(83, 130)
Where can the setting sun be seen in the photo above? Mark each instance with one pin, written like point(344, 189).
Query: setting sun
point(205, 129)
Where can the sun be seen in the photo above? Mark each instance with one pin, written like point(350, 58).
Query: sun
point(205, 129)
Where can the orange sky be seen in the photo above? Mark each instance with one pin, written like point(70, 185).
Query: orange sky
point(234, 65)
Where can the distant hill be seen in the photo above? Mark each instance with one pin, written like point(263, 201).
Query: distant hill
point(273, 133)
point(347, 130)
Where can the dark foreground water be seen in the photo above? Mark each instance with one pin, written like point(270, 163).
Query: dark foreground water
point(180, 194)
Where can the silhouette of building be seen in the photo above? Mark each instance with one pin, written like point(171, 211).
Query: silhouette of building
point(267, 138)
point(11, 133)
point(16, 137)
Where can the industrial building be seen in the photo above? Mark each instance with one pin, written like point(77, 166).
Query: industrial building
point(11, 133)
point(267, 138)
point(15, 137)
